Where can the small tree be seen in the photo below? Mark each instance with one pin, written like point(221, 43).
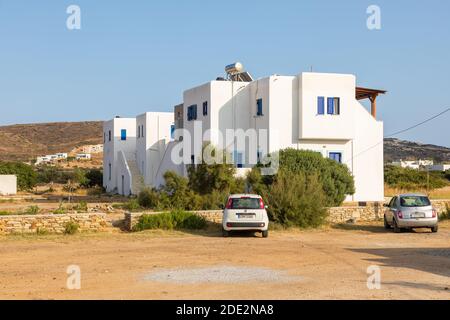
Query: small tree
point(26, 176)
point(296, 200)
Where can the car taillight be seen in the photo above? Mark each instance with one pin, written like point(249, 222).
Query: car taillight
point(229, 203)
point(261, 203)
point(434, 213)
point(400, 214)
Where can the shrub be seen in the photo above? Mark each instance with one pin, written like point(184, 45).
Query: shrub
point(42, 231)
point(71, 227)
point(445, 215)
point(177, 219)
point(32, 210)
point(176, 194)
point(296, 200)
point(406, 178)
point(205, 178)
point(132, 205)
point(60, 210)
point(335, 178)
point(26, 176)
point(94, 177)
point(148, 198)
point(48, 174)
point(81, 206)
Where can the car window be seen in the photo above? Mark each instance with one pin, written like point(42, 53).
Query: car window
point(392, 203)
point(245, 203)
point(415, 201)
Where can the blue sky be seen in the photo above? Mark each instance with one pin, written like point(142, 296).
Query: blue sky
point(136, 56)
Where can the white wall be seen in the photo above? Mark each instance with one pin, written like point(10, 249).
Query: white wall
point(8, 184)
point(113, 147)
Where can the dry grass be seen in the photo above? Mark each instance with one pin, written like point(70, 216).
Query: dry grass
point(442, 193)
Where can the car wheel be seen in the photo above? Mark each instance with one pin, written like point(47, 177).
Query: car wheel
point(265, 234)
point(225, 233)
point(387, 226)
point(396, 228)
point(435, 229)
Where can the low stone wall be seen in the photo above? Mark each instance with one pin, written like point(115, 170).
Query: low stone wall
point(51, 223)
point(132, 218)
point(372, 211)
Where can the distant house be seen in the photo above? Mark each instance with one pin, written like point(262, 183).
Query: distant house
point(44, 159)
point(439, 167)
point(98, 148)
point(61, 156)
point(83, 156)
point(413, 164)
point(8, 185)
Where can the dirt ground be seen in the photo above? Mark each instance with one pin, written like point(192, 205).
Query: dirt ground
point(330, 263)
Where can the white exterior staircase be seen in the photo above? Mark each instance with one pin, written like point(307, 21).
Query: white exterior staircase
point(137, 180)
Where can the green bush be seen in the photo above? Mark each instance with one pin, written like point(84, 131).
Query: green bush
point(335, 178)
point(71, 227)
point(32, 210)
point(177, 219)
point(26, 176)
point(148, 198)
point(60, 209)
point(296, 200)
point(176, 194)
point(48, 174)
point(445, 215)
point(95, 178)
point(132, 205)
point(406, 178)
point(81, 206)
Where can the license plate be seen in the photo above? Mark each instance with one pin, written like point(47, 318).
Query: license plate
point(418, 215)
point(245, 216)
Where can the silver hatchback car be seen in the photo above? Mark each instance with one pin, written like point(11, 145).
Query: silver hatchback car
point(409, 211)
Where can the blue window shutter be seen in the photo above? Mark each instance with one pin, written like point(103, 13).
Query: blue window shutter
point(195, 112)
point(320, 105)
point(330, 103)
point(259, 107)
point(123, 134)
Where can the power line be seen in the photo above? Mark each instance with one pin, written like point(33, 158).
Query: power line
point(402, 131)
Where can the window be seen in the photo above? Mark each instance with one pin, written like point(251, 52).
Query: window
point(259, 107)
point(333, 106)
point(259, 156)
point(192, 112)
point(104, 137)
point(336, 156)
point(142, 131)
point(238, 159)
point(139, 132)
point(320, 105)
point(192, 159)
point(245, 203)
point(205, 108)
point(414, 201)
point(123, 134)
point(109, 172)
point(172, 131)
point(109, 135)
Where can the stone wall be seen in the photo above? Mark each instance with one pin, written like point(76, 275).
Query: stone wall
point(51, 223)
point(372, 211)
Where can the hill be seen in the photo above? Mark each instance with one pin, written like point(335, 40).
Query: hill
point(395, 149)
point(26, 141)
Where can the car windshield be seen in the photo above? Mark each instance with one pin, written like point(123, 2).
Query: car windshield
point(245, 203)
point(414, 201)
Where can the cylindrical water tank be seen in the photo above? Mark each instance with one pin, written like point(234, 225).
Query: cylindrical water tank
point(234, 68)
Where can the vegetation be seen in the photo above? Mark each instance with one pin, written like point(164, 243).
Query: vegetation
point(32, 210)
point(71, 227)
point(296, 200)
point(445, 215)
point(60, 209)
point(81, 206)
point(79, 177)
point(26, 176)
point(132, 205)
point(411, 179)
point(176, 219)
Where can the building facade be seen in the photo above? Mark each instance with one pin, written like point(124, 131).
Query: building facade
point(313, 111)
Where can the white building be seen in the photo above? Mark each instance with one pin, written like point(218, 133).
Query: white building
point(8, 185)
point(413, 164)
point(439, 167)
point(314, 111)
point(83, 156)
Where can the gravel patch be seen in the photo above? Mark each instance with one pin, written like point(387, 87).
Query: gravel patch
point(220, 274)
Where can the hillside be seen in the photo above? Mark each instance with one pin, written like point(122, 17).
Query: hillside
point(26, 141)
point(395, 149)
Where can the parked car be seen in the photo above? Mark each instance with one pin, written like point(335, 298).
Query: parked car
point(245, 212)
point(408, 211)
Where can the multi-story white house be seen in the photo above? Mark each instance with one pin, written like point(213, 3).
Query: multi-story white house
point(314, 111)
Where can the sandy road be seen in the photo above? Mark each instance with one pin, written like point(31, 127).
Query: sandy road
point(323, 264)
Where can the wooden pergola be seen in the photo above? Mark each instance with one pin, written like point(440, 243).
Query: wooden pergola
point(371, 94)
